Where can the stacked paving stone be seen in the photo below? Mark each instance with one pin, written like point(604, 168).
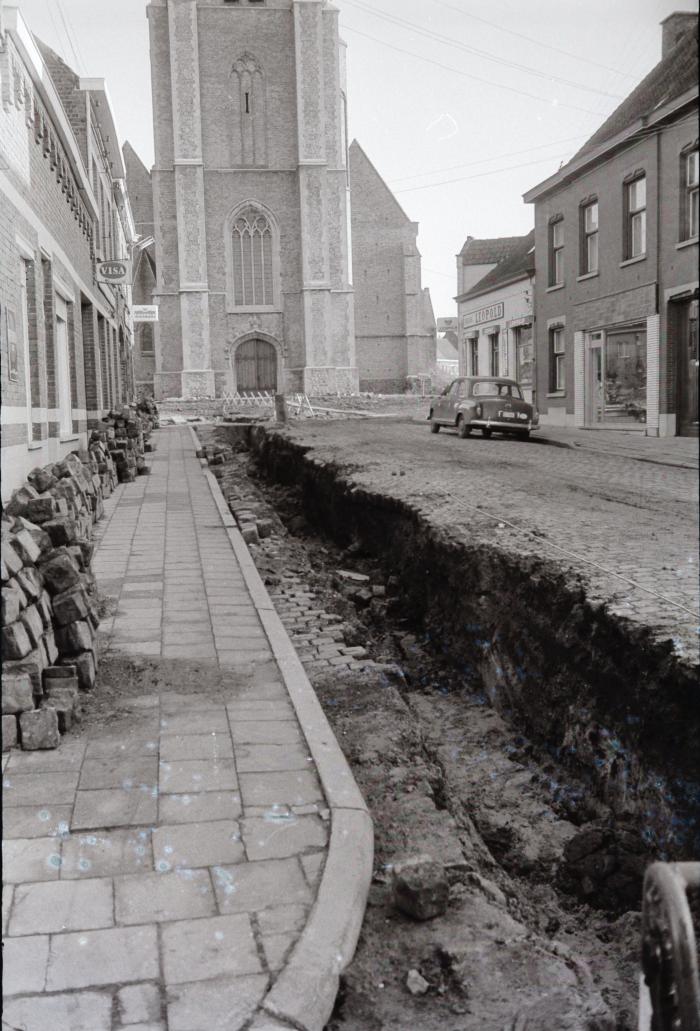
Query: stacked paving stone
point(49, 603)
point(125, 434)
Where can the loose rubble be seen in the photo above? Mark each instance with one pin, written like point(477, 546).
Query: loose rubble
point(50, 610)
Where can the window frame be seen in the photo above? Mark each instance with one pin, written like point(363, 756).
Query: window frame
point(632, 213)
point(556, 251)
point(557, 359)
point(473, 342)
point(690, 194)
point(494, 352)
point(233, 305)
point(586, 235)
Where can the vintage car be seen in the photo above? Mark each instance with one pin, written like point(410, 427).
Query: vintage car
point(487, 403)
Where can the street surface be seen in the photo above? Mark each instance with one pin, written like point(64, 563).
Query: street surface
point(619, 513)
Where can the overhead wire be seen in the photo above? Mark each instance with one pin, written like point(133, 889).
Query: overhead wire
point(458, 44)
point(69, 37)
point(478, 175)
point(481, 161)
point(468, 75)
point(74, 35)
point(531, 39)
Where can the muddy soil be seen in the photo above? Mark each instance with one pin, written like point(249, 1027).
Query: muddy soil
point(445, 774)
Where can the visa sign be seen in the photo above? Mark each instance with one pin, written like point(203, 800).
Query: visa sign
point(116, 272)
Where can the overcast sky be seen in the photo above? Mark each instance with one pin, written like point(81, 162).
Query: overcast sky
point(462, 105)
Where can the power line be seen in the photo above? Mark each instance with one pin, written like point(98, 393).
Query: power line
point(481, 161)
point(531, 39)
point(74, 36)
point(468, 75)
point(429, 34)
point(479, 175)
point(78, 62)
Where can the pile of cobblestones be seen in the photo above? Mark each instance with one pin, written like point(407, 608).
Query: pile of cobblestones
point(49, 597)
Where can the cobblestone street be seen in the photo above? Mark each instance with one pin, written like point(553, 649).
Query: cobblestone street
point(626, 523)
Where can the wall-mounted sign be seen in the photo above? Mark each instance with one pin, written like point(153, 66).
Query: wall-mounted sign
point(488, 314)
point(145, 312)
point(447, 324)
point(116, 272)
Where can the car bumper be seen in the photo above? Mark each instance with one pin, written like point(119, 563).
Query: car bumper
point(498, 424)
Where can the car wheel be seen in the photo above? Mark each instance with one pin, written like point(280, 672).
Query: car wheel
point(487, 433)
point(524, 435)
point(462, 429)
point(434, 426)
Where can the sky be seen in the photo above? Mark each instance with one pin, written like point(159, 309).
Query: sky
point(462, 105)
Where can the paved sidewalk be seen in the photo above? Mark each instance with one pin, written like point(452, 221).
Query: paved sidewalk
point(160, 877)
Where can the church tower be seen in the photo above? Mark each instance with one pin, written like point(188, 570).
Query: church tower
point(251, 198)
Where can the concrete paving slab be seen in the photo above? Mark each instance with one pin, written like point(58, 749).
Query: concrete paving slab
point(197, 775)
point(299, 787)
point(272, 758)
point(114, 807)
point(199, 950)
point(31, 859)
point(181, 895)
point(47, 908)
point(93, 958)
point(122, 772)
point(139, 1004)
point(79, 1011)
point(25, 788)
point(107, 853)
point(200, 807)
point(285, 836)
point(228, 1003)
point(249, 887)
point(195, 746)
point(198, 845)
point(24, 962)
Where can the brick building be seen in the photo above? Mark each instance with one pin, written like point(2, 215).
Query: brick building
point(496, 280)
point(395, 329)
point(616, 233)
point(64, 339)
point(250, 191)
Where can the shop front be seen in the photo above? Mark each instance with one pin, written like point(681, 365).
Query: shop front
point(615, 377)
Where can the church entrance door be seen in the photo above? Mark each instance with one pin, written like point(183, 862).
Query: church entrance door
point(256, 367)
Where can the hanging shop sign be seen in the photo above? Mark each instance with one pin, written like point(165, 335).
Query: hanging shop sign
point(488, 314)
point(116, 272)
point(145, 312)
point(447, 325)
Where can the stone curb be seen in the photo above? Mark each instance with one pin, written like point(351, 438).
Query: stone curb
point(304, 993)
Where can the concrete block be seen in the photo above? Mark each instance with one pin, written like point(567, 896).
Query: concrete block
point(38, 535)
point(249, 533)
point(34, 664)
point(16, 643)
point(17, 693)
point(420, 887)
point(75, 637)
point(42, 479)
point(50, 646)
point(45, 608)
point(26, 547)
point(265, 528)
point(65, 712)
point(11, 557)
point(63, 673)
point(63, 530)
point(39, 729)
point(33, 624)
point(12, 598)
point(70, 605)
point(85, 667)
point(39, 510)
point(30, 582)
point(9, 733)
point(60, 572)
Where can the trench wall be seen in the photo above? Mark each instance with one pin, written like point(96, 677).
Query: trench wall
point(604, 697)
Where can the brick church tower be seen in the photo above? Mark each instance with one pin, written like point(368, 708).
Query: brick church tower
point(251, 198)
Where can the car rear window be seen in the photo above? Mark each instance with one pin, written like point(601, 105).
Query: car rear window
point(493, 388)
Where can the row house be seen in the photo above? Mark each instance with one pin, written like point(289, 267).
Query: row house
point(616, 247)
point(65, 339)
point(495, 308)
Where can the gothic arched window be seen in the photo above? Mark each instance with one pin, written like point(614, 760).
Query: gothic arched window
point(252, 260)
point(249, 112)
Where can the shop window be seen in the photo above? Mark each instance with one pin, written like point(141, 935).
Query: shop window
point(494, 364)
point(635, 218)
point(473, 356)
point(689, 195)
point(557, 358)
point(589, 237)
point(556, 252)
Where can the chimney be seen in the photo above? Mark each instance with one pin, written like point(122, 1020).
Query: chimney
point(675, 26)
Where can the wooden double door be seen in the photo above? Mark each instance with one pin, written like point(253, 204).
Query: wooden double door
point(686, 320)
point(256, 367)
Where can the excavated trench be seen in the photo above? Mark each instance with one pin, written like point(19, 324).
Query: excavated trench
point(543, 750)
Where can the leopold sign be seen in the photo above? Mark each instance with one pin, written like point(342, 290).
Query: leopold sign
point(116, 272)
point(489, 314)
point(145, 312)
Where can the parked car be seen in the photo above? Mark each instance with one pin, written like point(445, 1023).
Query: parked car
point(487, 403)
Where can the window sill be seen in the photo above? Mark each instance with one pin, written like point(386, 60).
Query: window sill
point(587, 275)
point(687, 243)
point(35, 445)
point(633, 261)
point(69, 439)
point(557, 286)
point(556, 393)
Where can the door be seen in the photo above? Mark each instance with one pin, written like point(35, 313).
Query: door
point(688, 369)
point(256, 367)
point(63, 384)
point(594, 390)
point(445, 407)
